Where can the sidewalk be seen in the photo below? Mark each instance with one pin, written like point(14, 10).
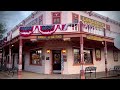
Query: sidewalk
point(30, 75)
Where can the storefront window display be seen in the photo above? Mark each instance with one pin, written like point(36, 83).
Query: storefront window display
point(36, 57)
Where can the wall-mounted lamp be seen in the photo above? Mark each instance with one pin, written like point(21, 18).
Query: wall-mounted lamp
point(39, 51)
point(48, 50)
point(103, 42)
point(63, 51)
point(12, 45)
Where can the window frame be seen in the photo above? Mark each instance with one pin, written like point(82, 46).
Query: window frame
point(74, 14)
point(54, 17)
point(114, 58)
point(91, 54)
point(30, 62)
point(41, 17)
point(99, 49)
point(75, 64)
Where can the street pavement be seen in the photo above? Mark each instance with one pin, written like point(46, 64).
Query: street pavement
point(30, 75)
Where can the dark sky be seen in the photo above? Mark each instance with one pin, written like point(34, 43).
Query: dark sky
point(12, 18)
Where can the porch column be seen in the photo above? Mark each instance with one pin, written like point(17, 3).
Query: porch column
point(105, 54)
point(10, 57)
point(82, 74)
point(20, 59)
point(3, 57)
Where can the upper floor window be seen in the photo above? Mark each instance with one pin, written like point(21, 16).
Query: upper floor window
point(107, 27)
point(56, 17)
point(75, 18)
point(41, 20)
point(88, 56)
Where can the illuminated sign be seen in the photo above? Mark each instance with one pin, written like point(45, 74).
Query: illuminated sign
point(92, 22)
point(94, 38)
point(50, 37)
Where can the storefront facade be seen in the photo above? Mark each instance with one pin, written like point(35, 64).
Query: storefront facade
point(62, 42)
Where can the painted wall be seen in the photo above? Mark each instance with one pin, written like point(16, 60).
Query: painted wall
point(16, 32)
point(16, 59)
point(32, 68)
point(69, 68)
point(66, 18)
point(75, 69)
point(56, 45)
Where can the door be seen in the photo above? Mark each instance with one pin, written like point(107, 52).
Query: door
point(56, 59)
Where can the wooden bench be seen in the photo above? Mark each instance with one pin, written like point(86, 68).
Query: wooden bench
point(12, 70)
point(115, 69)
point(90, 70)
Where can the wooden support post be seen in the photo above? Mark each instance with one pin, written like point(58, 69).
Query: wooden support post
point(20, 59)
point(82, 73)
point(105, 54)
point(10, 57)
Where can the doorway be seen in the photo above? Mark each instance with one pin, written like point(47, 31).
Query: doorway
point(56, 54)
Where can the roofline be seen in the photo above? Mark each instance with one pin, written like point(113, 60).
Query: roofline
point(107, 19)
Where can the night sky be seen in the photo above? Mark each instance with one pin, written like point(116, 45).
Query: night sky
point(12, 18)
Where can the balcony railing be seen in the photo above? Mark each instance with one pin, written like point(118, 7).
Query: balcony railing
point(75, 27)
point(94, 31)
point(100, 32)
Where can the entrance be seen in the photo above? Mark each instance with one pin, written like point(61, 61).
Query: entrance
point(56, 54)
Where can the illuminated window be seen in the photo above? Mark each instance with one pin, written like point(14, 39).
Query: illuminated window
point(88, 57)
point(56, 17)
point(36, 57)
point(76, 56)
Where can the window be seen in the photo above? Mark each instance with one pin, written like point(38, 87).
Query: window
point(98, 54)
point(33, 22)
point(36, 57)
point(41, 20)
point(115, 55)
point(76, 56)
point(88, 57)
point(56, 17)
point(75, 18)
point(107, 27)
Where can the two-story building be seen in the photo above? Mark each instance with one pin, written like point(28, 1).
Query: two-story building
point(62, 42)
